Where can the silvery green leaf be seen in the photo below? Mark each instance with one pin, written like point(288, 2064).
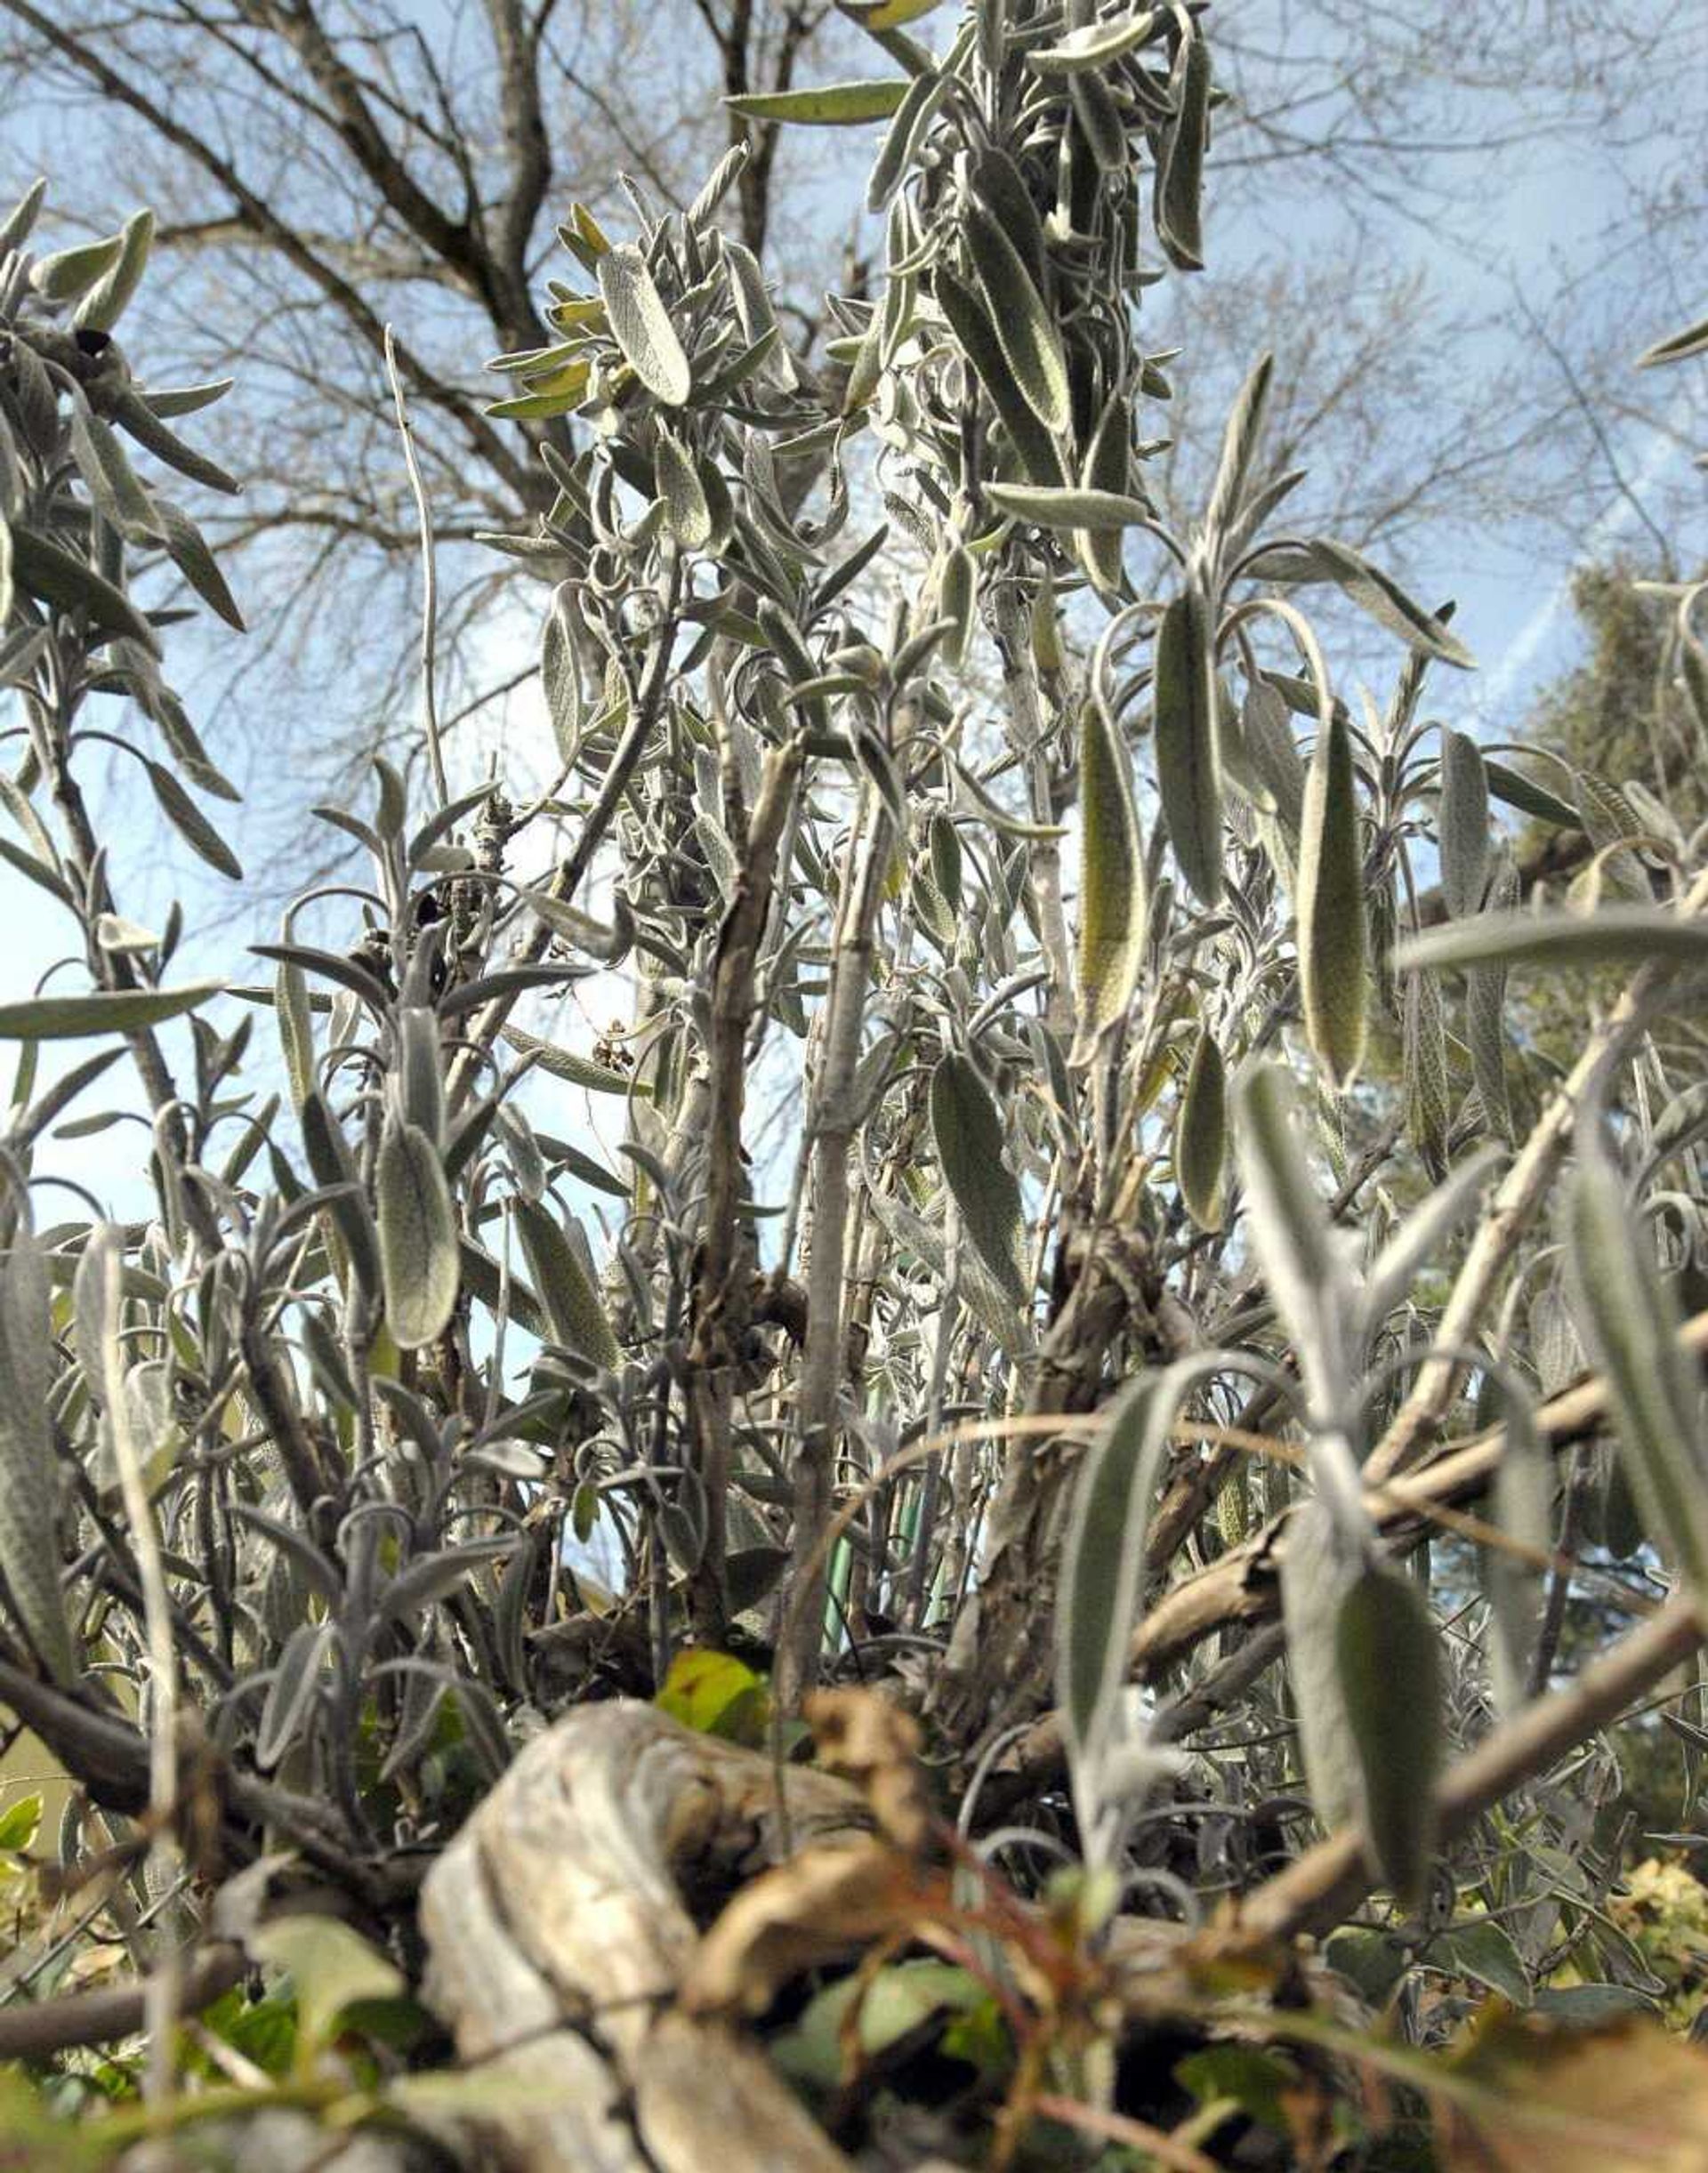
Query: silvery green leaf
point(421, 1072)
point(418, 1239)
point(1367, 587)
point(1529, 798)
point(1333, 942)
point(1239, 443)
point(1102, 125)
point(1429, 1110)
point(924, 94)
point(958, 603)
point(1096, 44)
point(1030, 338)
point(977, 337)
point(1273, 752)
point(1388, 1655)
point(1180, 169)
point(1463, 824)
point(825, 105)
point(433, 1577)
point(142, 421)
point(298, 1679)
point(1677, 347)
point(19, 221)
point(68, 582)
point(1103, 1560)
point(1486, 1018)
point(566, 1290)
point(112, 482)
point(65, 273)
point(1201, 1134)
point(1434, 1218)
point(979, 1290)
point(1303, 1263)
point(970, 1144)
point(295, 1022)
point(1611, 935)
point(1318, 1568)
point(30, 1549)
point(564, 1064)
point(1113, 906)
point(1523, 1503)
point(1189, 756)
point(1106, 473)
point(189, 552)
point(103, 303)
point(192, 824)
point(122, 1011)
point(687, 514)
point(1098, 512)
point(641, 327)
point(1628, 1320)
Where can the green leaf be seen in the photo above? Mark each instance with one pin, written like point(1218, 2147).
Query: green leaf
point(192, 824)
point(687, 514)
point(65, 273)
point(1628, 1320)
point(30, 1545)
point(1528, 797)
point(1239, 443)
point(1482, 1952)
point(189, 551)
point(1390, 1658)
point(1188, 753)
point(1332, 938)
point(1103, 1560)
point(1028, 334)
point(977, 338)
point(1677, 347)
point(1180, 172)
point(969, 1135)
point(104, 303)
point(1201, 1134)
point(714, 1694)
point(68, 582)
point(1114, 908)
point(893, 2005)
point(1463, 824)
point(641, 327)
point(1098, 512)
point(825, 105)
point(1611, 935)
point(418, 1245)
point(20, 1823)
point(571, 1303)
point(1370, 589)
point(1097, 44)
point(577, 1071)
point(1107, 474)
point(119, 1011)
point(332, 1969)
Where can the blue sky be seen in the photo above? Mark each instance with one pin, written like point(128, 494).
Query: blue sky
point(1530, 222)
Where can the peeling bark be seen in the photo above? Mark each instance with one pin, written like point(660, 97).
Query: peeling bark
point(558, 1925)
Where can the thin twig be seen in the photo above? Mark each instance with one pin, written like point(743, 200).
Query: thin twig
point(429, 580)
